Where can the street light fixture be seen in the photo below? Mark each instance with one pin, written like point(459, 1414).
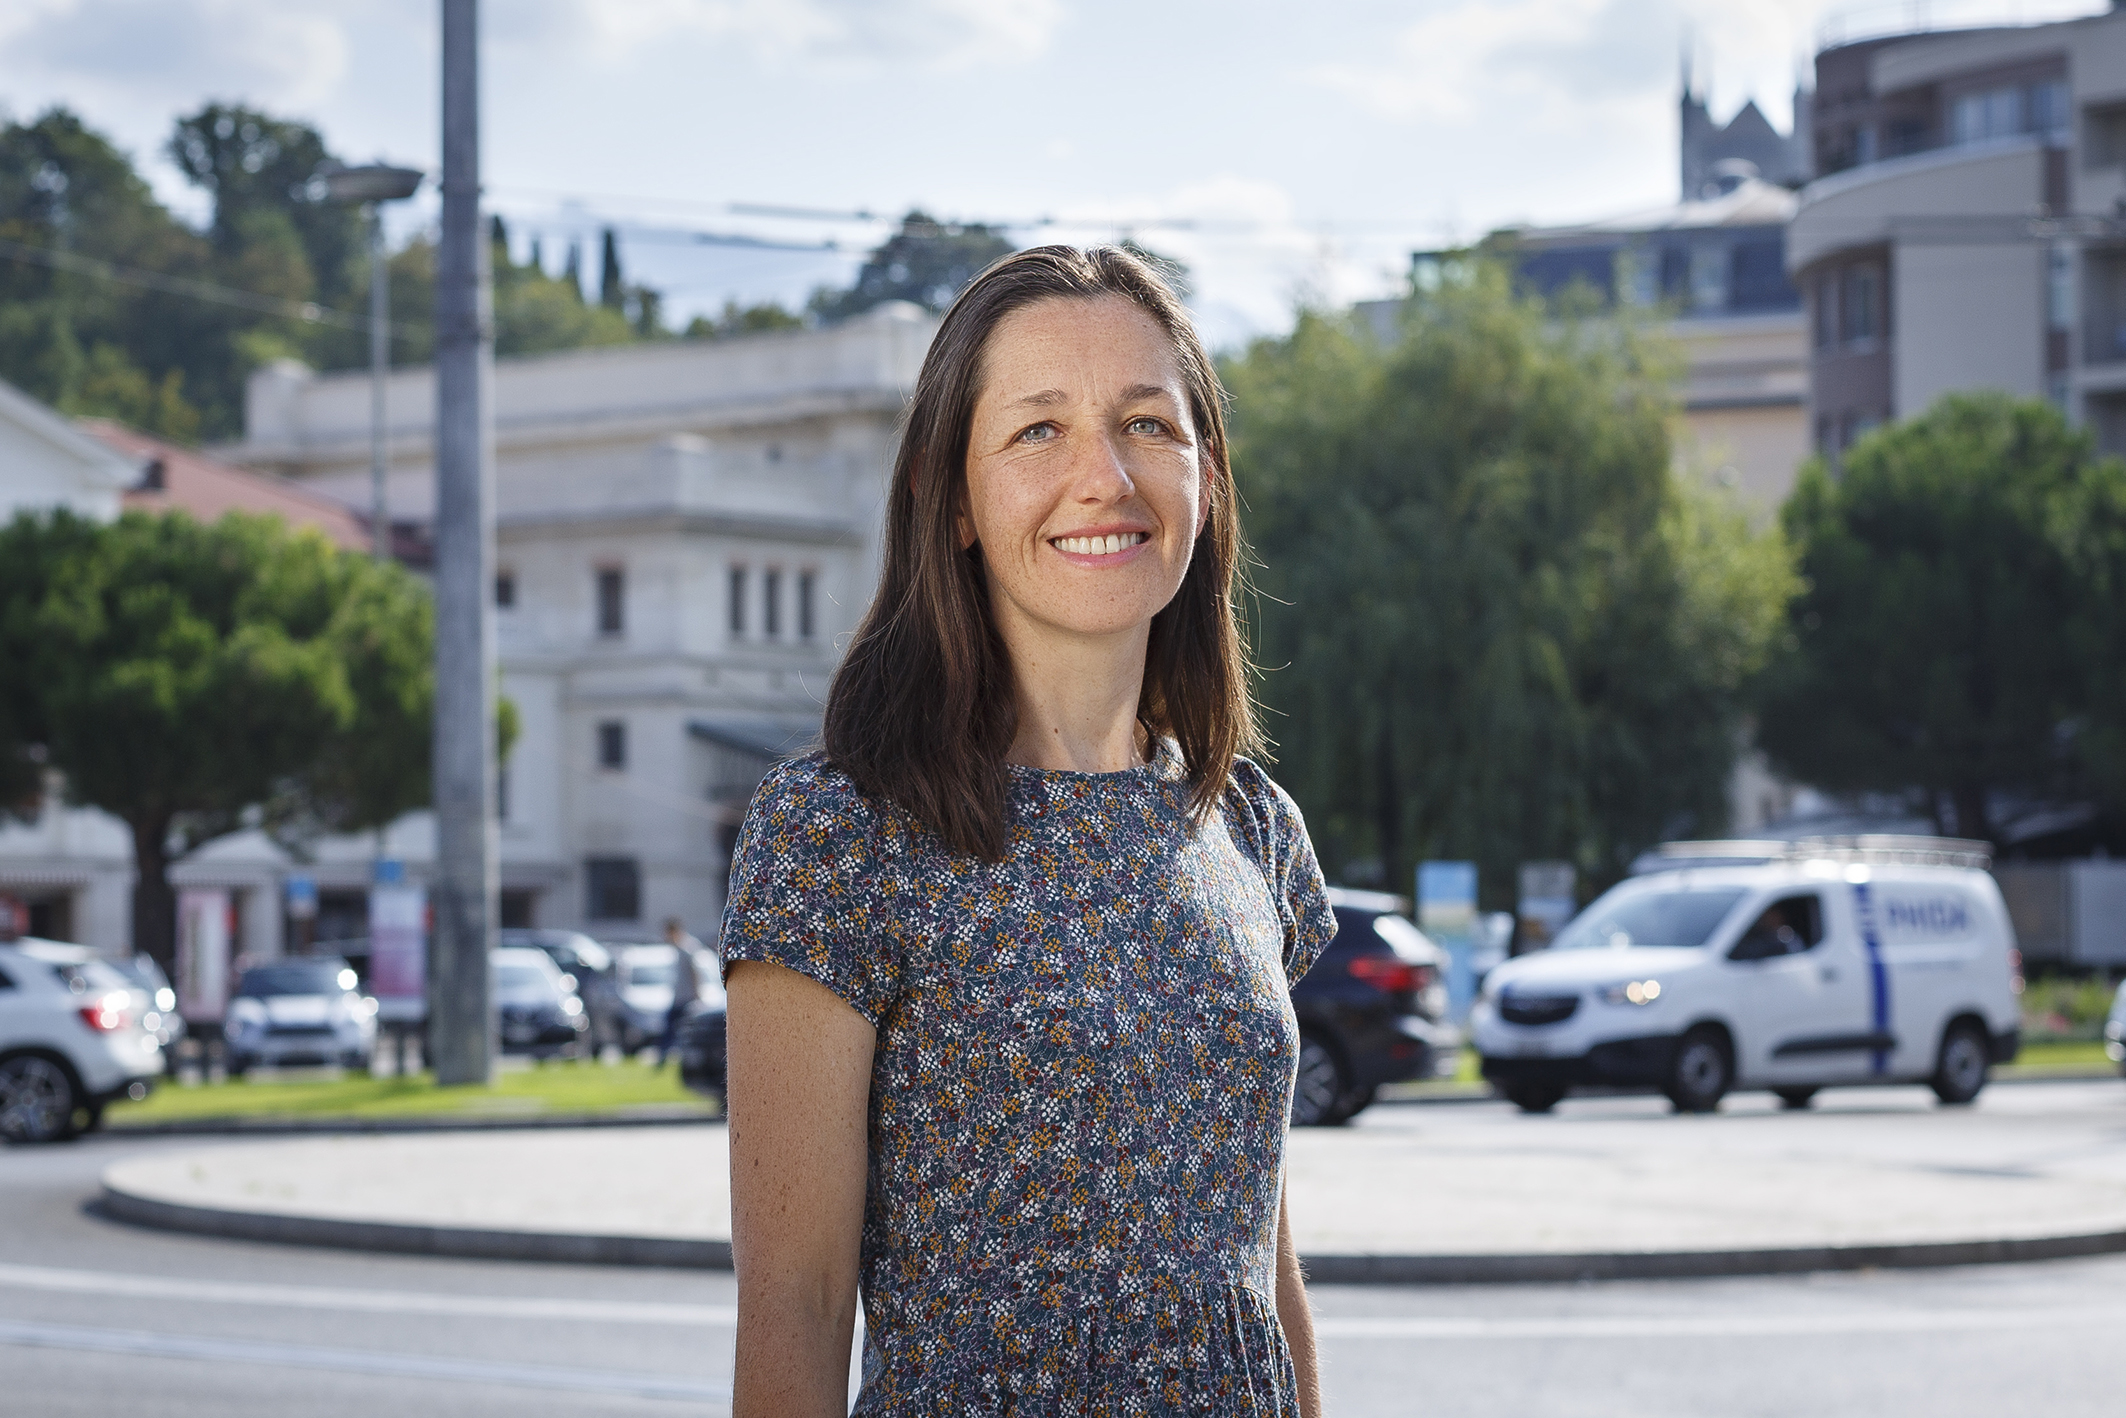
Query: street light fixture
point(372, 186)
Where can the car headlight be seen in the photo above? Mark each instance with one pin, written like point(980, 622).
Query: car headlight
point(1632, 992)
point(166, 999)
point(572, 1006)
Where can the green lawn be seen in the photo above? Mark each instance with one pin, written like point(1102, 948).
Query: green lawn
point(551, 1088)
point(2062, 1054)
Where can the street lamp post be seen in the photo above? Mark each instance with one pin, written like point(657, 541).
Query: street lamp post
point(372, 186)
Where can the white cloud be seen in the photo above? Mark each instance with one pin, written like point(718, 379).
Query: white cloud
point(942, 34)
point(170, 52)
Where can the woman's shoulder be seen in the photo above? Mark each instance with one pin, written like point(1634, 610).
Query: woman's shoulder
point(1255, 794)
point(806, 807)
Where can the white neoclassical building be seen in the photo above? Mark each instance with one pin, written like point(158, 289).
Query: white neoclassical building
point(685, 532)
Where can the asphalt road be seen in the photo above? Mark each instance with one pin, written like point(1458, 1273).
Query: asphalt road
point(100, 1319)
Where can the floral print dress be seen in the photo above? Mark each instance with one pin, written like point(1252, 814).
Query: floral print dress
point(1080, 1086)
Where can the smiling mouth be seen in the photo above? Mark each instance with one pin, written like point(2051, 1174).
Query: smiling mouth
point(1098, 546)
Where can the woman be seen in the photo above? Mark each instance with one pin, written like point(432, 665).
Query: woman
point(1011, 1045)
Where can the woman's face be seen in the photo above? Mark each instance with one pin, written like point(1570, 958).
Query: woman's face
point(1084, 481)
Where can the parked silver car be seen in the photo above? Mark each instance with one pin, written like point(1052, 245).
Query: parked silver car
point(302, 1010)
point(70, 1042)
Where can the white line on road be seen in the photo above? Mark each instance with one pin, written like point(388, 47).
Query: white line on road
point(310, 1297)
point(355, 1361)
point(1757, 1325)
point(1742, 1325)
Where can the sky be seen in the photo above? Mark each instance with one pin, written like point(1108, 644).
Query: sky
point(1288, 150)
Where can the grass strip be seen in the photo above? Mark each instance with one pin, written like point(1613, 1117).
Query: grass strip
point(565, 1087)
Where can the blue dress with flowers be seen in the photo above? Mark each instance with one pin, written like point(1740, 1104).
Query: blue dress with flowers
point(1080, 1086)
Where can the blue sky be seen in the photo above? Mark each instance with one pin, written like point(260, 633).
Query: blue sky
point(1286, 150)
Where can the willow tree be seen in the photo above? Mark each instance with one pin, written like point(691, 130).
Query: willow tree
point(1496, 623)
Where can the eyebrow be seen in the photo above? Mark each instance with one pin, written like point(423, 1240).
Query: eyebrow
point(1048, 398)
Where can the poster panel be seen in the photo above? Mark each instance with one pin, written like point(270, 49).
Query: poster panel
point(1446, 911)
point(202, 954)
point(398, 947)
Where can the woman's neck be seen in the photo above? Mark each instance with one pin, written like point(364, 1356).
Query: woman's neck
point(1077, 699)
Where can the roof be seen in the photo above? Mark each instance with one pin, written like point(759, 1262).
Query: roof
point(207, 488)
point(772, 739)
point(59, 432)
point(1753, 203)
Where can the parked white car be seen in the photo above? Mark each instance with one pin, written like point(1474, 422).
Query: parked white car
point(301, 1010)
point(71, 1040)
point(2115, 1029)
point(1788, 967)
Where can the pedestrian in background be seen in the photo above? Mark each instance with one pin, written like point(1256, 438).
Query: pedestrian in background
point(1011, 1042)
point(686, 984)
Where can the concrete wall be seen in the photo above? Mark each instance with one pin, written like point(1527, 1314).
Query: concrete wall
point(1969, 317)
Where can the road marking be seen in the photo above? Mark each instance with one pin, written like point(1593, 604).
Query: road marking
point(1740, 1326)
point(355, 1361)
point(310, 1297)
point(1416, 1327)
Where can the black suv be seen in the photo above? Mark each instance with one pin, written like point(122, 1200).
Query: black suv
point(1373, 1010)
point(592, 965)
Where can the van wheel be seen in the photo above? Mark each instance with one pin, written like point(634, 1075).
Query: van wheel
point(1535, 1097)
point(1966, 1059)
point(1701, 1073)
point(1794, 1099)
point(37, 1100)
point(1321, 1084)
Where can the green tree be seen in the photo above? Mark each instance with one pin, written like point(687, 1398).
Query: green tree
point(926, 261)
point(743, 320)
point(1961, 615)
point(190, 679)
point(1495, 624)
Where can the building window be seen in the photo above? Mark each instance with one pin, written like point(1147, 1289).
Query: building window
point(1826, 298)
point(612, 601)
point(612, 888)
point(1859, 320)
point(1996, 113)
point(2059, 287)
point(612, 743)
point(1709, 267)
point(2048, 108)
point(737, 602)
point(807, 627)
point(505, 588)
point(771, 603)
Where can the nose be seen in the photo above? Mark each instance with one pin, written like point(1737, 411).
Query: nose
point(1100, 474)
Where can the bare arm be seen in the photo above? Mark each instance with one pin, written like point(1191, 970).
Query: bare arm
point(799, 1087)
point(1295, 1316)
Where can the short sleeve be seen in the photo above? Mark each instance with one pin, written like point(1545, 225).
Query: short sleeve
point(805, 888)
point(1276, 833)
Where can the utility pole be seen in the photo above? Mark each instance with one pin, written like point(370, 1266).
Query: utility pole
point(461, 1026)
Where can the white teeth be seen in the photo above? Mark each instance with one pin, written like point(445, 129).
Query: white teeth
point(1099, 546)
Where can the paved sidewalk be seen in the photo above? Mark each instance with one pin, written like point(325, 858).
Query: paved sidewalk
point(1604, 1187)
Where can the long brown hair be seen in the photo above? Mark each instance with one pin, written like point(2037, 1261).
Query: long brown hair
point(922, 711)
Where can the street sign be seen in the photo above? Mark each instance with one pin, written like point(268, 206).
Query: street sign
point(398, 950)
point(302, 897)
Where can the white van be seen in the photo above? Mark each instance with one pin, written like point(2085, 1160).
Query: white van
point(1784, 966)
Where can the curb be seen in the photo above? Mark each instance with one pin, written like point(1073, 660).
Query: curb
point(661, 1116)
point(472, 1242)
point(479, 1243)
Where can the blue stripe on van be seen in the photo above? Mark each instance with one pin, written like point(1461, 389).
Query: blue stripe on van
point(1878, 973)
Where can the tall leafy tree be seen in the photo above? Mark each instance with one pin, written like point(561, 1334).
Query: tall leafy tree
point(1495, 624)
point(926, 261)
point(1962, 616)
point(190, 679)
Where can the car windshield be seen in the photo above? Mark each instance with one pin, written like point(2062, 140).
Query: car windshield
point(519, 977)
point(652, 972)
point(1650, 918)
point(91, 977)
point(308, 977)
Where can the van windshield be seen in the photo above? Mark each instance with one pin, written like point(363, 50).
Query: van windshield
point(1650, 918)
